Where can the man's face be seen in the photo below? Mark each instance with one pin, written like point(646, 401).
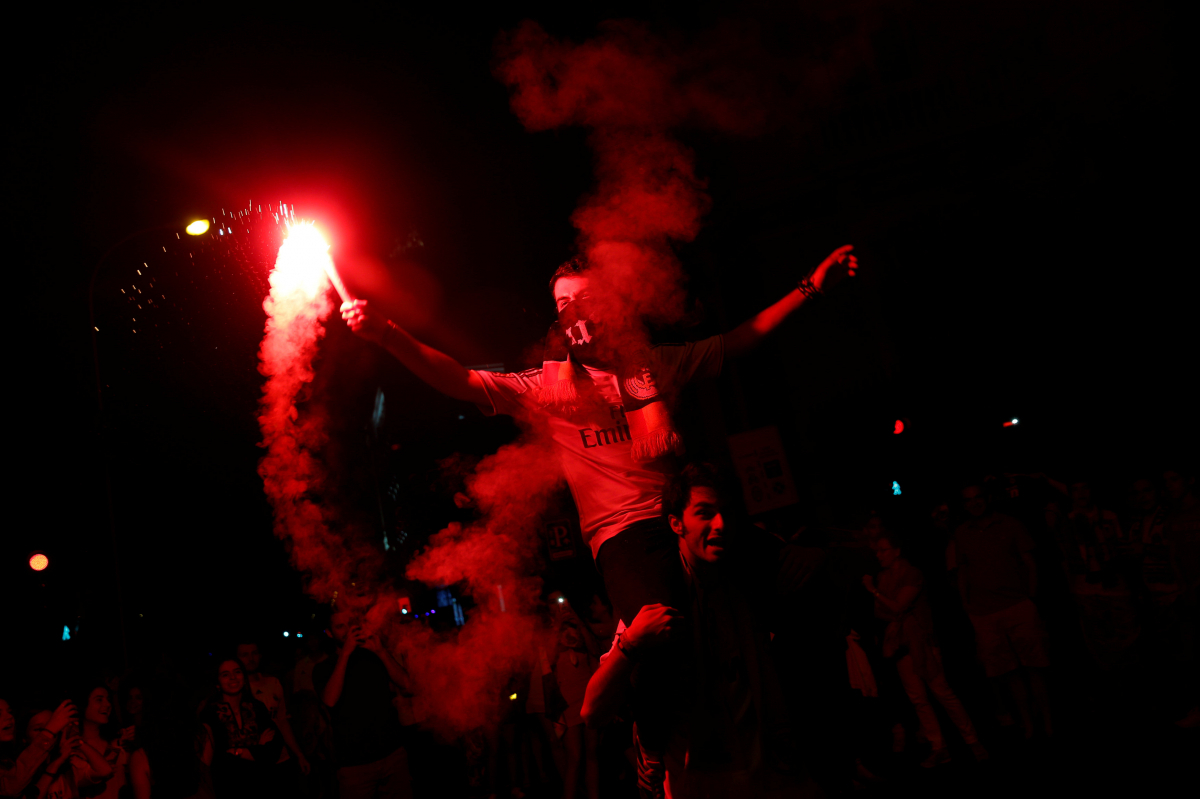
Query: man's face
point(941, 515)
point(339, 625)
point(1176, 485)
point(568, 289)
point(1081, 496)
point(134, 704)
point(231, 678)
point(975, 501)
point(1145, 497)
point(248, 654)
point(885, 553)
point(8, 723)
point(702, 528)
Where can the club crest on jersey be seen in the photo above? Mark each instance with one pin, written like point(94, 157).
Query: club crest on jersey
point(641, 386)
point(578, 333)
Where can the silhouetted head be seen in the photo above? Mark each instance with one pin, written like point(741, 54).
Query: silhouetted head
point(8, 723)
point(1145, 495)
point(249, 656)
point(975, 500)
point(886, 551)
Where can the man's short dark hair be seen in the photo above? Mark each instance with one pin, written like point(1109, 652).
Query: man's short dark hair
point(572, 268)
point(678, 491)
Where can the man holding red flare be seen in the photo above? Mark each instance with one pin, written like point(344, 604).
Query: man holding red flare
point(604, 394)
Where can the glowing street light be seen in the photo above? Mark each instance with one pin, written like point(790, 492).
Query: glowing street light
point(38, 561)
point(197, 228)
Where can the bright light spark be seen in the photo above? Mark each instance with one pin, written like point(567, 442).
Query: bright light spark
point(197, 228)
point(302, 263)
point(38, 562)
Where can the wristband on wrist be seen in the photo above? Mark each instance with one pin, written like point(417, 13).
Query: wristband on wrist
point(807, 287)
point(626, 649)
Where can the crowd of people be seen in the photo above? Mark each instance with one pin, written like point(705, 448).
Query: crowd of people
point(783, 641)
point(712, 655)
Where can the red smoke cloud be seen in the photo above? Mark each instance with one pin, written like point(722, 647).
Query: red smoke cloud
point(633, 91)
point(461, 679)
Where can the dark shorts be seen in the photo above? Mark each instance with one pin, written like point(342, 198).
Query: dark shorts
point(640, 566)
point(1011, 638)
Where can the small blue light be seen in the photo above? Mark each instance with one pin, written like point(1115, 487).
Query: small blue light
point(285, 635)
point(66, 633)
point(895, 489)
point(299, 635)
point(404, 611)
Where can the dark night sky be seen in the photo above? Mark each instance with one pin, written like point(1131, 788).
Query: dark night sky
point(1011, 176)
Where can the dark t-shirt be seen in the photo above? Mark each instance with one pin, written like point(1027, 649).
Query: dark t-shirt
point(366, 726)
point(988, 552)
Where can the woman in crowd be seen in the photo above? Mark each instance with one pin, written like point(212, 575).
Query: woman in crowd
point(241, 740)
point(97, 736)
point(910, 644)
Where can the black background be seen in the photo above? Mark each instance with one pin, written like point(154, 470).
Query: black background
point(1013, 177)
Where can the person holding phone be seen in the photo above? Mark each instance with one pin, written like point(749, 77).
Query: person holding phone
point(19, 765)
point(72, 765)
point(357, 687)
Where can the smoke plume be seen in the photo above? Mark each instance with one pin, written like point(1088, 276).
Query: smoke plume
point(633, 91)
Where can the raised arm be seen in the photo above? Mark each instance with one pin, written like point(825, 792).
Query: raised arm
point(434, 367)
point(607, 688)
point(746, 336)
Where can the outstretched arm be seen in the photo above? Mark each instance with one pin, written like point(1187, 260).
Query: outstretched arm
point(746, 336)
point(436, 368)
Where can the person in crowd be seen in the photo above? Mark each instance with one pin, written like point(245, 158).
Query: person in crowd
point(97, 736)
point(133, 703)
point(997, 579)
point(1182, 530)
point(267, 689)
point(1092, 553)
point(910, 644)
point(604, 396)
point(312, 653)
point(242, 743)
point(544, 704)
point(71, 765)
point(166, 755)
point(727, 739)
point(357, 687)
point(21, 762)
point(576, 658)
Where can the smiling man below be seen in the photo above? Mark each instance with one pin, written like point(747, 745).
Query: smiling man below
point(726, 729)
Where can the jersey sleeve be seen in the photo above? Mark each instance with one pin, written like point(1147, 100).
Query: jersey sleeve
point(508, 393)
point(676, 365)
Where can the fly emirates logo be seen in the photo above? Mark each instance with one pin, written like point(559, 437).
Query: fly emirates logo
point(607, 436)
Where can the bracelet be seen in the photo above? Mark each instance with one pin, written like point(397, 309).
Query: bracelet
point(808, 288)
point(388, 330)
point(620, 644)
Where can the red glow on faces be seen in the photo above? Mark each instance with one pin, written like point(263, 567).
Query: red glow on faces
point(38, 562)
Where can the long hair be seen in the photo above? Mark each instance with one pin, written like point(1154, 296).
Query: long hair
point(83, 695)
